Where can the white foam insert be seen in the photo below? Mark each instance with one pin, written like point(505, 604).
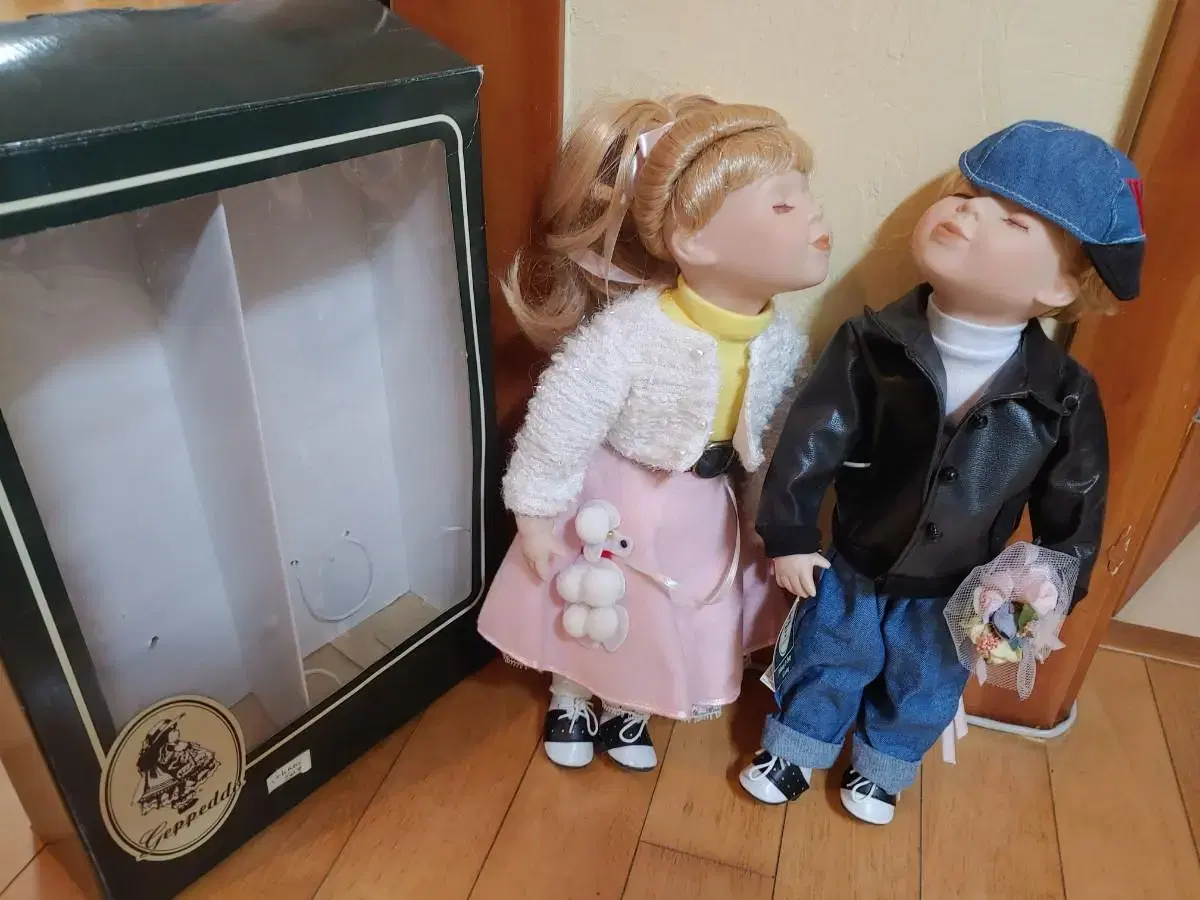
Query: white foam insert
point(424, 343)
point(86, 391)
point(237, 407)
point(352, 316)
point(307, 294)
point(201, 325)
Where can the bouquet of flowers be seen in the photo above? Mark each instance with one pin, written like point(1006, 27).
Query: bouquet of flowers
point(1005, 618)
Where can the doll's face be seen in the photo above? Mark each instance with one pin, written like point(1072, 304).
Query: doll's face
point(991, 260)
point(767, 238)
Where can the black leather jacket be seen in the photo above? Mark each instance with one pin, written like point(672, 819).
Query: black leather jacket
point(920, 503)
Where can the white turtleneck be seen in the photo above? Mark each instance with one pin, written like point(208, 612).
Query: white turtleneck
point(971, 355)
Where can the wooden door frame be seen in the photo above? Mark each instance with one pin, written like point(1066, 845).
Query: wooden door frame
point(1146, 361)
point(519, 44)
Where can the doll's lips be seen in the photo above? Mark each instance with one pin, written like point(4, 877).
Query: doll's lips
point(951, 229)
point(823, 243)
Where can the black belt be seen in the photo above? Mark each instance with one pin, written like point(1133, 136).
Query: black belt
point(719, 458)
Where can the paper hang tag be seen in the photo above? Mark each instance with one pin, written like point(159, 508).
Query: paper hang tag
point(768, 676)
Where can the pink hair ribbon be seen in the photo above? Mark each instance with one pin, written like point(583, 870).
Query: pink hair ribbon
point(601, 265)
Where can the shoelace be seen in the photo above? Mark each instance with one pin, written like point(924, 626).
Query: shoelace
point(857, 787)
point(576, 708)
point(637, 724)
point(759, 771)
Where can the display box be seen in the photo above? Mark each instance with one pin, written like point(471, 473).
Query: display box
point(247, 457)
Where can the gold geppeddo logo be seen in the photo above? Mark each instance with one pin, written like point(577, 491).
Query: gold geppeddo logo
point(172, 777)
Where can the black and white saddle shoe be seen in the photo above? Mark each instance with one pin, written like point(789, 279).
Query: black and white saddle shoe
point(625, 737)
point(865, 800)
point(773, 780)
point(570, 731)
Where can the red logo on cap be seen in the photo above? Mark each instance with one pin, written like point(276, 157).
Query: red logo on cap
point(1135, 185)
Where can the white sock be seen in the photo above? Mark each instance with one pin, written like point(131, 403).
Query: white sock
point(565, 687)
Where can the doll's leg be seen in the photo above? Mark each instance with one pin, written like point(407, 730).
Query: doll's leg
point(836, 650)
point(571, 725)
point(906, 709)
point(625, 737)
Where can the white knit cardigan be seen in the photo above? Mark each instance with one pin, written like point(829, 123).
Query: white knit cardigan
point(646, 386)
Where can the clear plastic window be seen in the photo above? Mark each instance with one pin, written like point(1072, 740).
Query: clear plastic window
point(245, 419)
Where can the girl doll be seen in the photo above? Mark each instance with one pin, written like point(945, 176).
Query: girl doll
point(666, 231)
point(938, 419)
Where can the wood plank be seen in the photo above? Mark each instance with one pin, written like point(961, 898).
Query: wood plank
point(520, 46)
point(1122, 828)
point(571, 833)
point(699, 808)
point(18, 843)
point(1152, 643)
point(292, 857)
point(827, 853)
point(988, 821)
point(1177, 693)
point(658, 873)
point(431, 825)
point(43, 879)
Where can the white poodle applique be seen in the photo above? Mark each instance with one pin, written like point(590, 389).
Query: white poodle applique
point(594, 585)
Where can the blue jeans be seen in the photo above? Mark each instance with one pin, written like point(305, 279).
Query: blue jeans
point(852, 655)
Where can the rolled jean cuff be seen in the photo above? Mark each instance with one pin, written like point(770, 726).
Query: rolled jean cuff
point(890, 773)
point(797, 748)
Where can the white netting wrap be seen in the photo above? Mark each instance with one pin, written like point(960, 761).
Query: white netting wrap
point(1006, 616)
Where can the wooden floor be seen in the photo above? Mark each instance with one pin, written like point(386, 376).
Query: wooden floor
point(462, 804)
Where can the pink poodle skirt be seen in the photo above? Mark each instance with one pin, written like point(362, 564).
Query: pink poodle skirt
point(683, 655)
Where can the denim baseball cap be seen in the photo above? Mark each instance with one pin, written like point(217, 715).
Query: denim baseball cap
point(1076, 180)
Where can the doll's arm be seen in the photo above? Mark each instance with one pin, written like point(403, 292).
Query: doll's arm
point(821, 426)
point(577, 400)
point(1066, 507)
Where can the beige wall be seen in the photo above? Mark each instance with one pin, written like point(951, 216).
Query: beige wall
point(889, 92)
point(1170, 598)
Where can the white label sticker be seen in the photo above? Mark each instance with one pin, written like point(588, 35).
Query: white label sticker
point(285, 773)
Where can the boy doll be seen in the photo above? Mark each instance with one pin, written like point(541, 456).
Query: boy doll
point(937, 420)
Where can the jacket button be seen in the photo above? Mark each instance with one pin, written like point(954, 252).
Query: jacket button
point(932, 533)
point(948, 474)
point(979, 420)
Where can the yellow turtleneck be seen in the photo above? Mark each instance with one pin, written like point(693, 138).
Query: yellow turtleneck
point(733, 333)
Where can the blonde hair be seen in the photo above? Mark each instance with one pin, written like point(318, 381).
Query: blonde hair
point(1093, 295)
point(709, 150)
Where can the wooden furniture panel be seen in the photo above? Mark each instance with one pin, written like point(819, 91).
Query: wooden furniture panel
point(1177, 515)
point(519, 43)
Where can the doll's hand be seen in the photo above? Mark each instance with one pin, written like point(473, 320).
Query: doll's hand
point(797, 574)
point(539, 544)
